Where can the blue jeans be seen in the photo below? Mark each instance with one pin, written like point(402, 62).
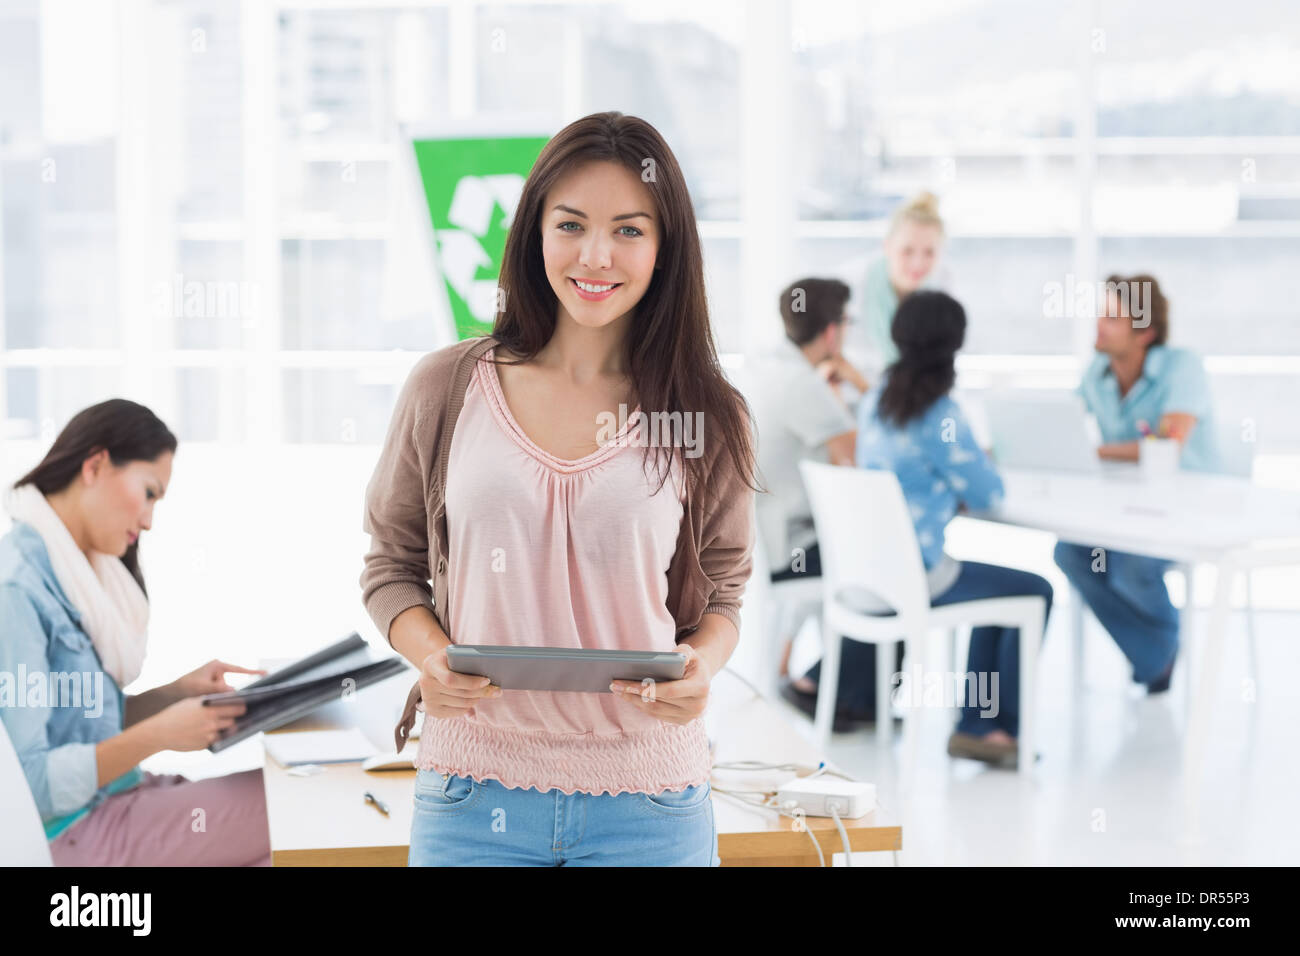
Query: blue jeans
point(993, 650)
point(460, 821)
point(1128, 596)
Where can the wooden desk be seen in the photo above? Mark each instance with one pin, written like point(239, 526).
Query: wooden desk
point(747, 727)
point(323, 820)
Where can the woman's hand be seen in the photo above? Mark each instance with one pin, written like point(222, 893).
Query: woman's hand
point(672, 701)
point(208, 679)
point(188, 725)
point(445, 693)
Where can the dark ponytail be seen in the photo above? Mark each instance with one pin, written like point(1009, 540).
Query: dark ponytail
point(129, 431)
point(928, 328)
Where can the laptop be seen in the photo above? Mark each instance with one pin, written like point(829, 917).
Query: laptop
point(1042, 431)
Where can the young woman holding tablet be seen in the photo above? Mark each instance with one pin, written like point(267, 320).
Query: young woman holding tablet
point(494, 483)
point(73, 611)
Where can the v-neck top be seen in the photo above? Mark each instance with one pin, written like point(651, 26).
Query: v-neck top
point(550, 552)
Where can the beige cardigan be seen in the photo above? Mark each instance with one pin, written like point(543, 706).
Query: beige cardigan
point(407, 521)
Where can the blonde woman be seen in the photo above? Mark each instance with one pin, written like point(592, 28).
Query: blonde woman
point(911, 252)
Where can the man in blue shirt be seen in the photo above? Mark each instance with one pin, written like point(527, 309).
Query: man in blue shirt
point(1137, 381)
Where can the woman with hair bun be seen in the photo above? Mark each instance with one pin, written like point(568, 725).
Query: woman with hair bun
point(911, 251)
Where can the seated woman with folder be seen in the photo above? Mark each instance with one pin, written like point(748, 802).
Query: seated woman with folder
point(75, 617)
point(908, 424)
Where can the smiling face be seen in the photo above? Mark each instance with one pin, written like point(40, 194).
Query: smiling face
point(118, 501)
point(600, 237)
point(911, 251)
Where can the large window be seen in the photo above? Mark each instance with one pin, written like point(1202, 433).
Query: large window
point(203, 203)
point(256, 150)
point(1067, 142)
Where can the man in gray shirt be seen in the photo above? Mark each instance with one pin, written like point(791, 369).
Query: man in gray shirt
point(799, 414)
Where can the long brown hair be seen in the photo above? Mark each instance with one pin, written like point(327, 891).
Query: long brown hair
point(129, 431)
point(670, 353)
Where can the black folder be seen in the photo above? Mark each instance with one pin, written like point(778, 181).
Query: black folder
point(299, 688)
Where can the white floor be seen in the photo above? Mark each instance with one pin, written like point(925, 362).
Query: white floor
point(1108, 787)
point(256, 553)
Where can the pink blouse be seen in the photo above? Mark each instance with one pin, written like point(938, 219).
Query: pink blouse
point(555, 553)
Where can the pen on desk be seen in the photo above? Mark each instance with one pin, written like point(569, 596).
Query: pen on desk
point(379, 804)
point(1143, 428)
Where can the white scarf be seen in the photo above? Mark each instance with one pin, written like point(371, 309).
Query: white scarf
point(114, 610)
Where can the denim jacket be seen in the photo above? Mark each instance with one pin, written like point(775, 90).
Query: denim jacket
point(56, 701)
point(939, 465)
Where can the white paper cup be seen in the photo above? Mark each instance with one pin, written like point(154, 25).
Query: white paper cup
point(1158, 457)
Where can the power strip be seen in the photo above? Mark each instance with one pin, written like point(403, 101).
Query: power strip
point(817, 795)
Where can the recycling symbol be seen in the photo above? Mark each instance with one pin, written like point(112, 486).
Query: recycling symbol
point(473, 205)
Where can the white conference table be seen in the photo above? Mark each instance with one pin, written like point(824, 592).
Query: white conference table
point(1226, 522)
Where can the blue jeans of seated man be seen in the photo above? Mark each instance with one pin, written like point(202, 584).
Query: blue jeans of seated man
point(460, 821)
point(993, 650)
point(1129, 598)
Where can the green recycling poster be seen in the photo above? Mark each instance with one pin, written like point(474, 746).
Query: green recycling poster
point(472, 186)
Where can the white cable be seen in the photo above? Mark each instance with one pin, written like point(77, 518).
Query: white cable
point(765, 794)
point(844, 836)
point(803, 822)
point(768, 805)
point(754, 765)
point(821, 860)
point(823, 768)
point(744, 680)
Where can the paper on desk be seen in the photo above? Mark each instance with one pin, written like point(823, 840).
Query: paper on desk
point(318, 746)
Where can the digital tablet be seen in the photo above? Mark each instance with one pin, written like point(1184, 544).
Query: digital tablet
point(562, 668)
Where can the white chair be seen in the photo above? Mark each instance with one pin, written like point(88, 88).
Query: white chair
point(22, 838)
point(867, 541)
point(789, 604)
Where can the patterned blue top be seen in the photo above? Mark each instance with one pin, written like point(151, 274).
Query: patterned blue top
point(938, 464)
